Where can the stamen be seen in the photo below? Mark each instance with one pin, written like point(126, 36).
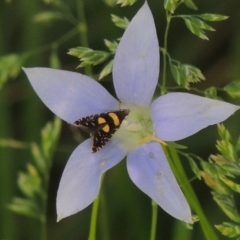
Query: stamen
point(152, 138)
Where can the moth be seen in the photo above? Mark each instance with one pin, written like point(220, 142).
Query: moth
point(102, 126)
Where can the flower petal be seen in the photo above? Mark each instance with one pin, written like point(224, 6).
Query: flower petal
point(70, 95)
point(150, 171)
point(80, 181)
point(136, 63)
point(178, 115)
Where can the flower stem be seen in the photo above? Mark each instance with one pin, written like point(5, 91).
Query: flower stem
point(93, 224)
point(180, 174)
point(154, 220)
point(83, 31)
point(163, 87)
point(94, 215)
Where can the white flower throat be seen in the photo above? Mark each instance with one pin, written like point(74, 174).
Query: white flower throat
point(135, 127)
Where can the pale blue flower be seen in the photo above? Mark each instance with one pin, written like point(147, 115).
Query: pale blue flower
point(171, 117)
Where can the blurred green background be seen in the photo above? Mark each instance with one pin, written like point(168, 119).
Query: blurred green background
point(125, 212)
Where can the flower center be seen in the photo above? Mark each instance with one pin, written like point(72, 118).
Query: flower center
point(136, 127)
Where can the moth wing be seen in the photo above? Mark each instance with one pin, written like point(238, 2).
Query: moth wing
point(89, 124)
point(100, 138)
